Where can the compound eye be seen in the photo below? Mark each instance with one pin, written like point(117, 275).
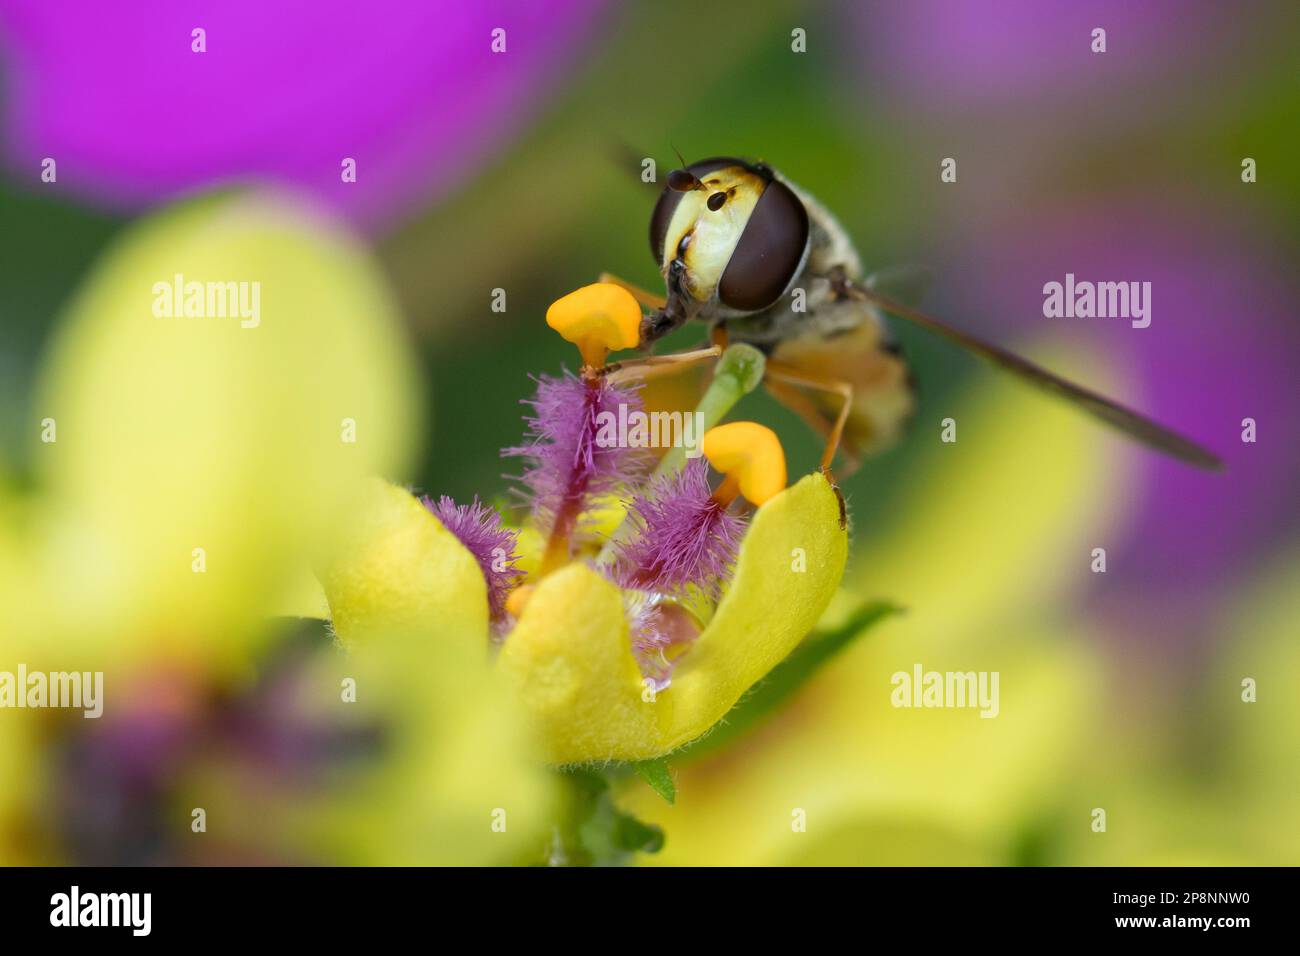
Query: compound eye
point(769, 252)
point(660, 219)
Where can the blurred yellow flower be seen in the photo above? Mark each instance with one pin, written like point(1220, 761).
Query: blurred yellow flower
point(445, 778)
point(193, 465)
point(1236, 804)
point(196, 464)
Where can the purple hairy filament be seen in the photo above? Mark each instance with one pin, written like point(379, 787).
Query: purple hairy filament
point(684, 536)
point(569, 465)
point(574, 497)
point(479, 529)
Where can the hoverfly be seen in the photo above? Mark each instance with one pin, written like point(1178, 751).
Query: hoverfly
point(745, 250)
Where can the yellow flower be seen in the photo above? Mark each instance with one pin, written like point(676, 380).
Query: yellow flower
point(1215, 790)
point(569, 657)
point(449, 785)
point(570, 654)
point(192, 467)
point(198, 463)
point(401, 570)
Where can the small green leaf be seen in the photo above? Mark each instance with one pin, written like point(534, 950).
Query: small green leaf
point(787, 677)
point(636, 837)
point(656, 773)
point(594, 831)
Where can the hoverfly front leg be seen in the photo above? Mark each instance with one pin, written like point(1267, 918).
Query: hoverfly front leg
point(660, 321)
point(653, 366)
point(640, 369)
point(645, 297)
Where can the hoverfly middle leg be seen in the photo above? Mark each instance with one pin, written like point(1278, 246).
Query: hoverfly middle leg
point(718, 334)
point(779, 378)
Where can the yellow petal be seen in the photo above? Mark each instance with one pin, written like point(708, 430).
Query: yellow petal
point(1010, 509)
point(859, 767)
point(571, 662)
point(1253, 702)
point(530, 546)
point(201, 460)
point(21, 798)
point(455, 781)
point(304, 597)
point(789, 567)
point(401, 571)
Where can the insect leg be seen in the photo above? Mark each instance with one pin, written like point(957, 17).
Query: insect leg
point(640, 369)
point(791, 376)
point(800, 404)
point(780, 374)
point(648, 299)
point(718, 335)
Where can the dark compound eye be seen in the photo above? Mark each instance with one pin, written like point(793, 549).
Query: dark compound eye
point(716, 201)
point(769, 252)
point(659, 220)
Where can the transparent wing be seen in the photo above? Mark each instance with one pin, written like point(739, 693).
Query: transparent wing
point(905, 284)
point(1130, 422)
